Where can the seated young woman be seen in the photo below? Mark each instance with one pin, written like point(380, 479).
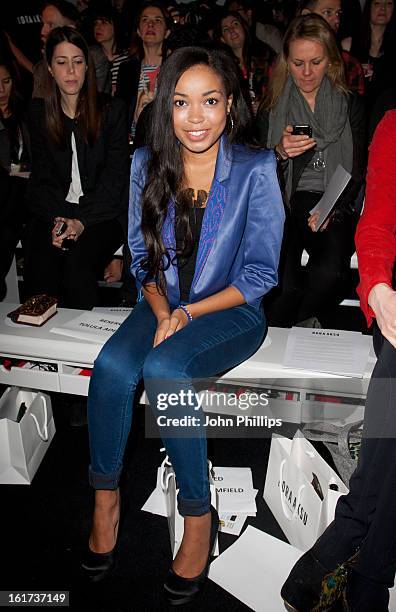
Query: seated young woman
point(78, 189)
point(308, 88)
point(205, 227)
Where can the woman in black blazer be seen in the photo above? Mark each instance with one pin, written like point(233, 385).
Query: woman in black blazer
point(78, 188)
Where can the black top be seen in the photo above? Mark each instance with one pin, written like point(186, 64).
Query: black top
point(15, 138)
point(127, 85)
point(104, 168)
point(186, 265)
point(14, 133)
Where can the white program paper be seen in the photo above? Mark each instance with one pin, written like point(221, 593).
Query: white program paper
point(333, 351)
point(234, 486)
point(230, 503)
point(254, 568)
point(92, 326)
point(334, 189)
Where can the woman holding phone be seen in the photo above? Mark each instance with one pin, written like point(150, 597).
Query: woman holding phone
point(78, 187)
point(199, 202)
point(313, 123)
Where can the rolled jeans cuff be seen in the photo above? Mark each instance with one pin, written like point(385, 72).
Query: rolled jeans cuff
point(104, 481)
point(193, 507)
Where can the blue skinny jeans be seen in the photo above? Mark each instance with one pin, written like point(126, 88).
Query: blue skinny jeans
point(207, 346)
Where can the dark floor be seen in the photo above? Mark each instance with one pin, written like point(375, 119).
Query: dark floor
point(46, 525)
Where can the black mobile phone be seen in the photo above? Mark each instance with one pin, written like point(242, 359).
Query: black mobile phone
point(300, 130)
point(67, 244)
point(61, 229)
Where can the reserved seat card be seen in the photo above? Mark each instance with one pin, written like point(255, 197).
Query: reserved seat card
point(333, 351)
point(92, 326)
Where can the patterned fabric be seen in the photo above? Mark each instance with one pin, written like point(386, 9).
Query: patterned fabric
point(147, 84)
point(148, 77)
point(210, 226)
point(353, 73)
point(115, 67)
point(333, 586)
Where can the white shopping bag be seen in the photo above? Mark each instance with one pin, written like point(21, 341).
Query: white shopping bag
point(23, 444)
point(295, 474)
point(175, 520)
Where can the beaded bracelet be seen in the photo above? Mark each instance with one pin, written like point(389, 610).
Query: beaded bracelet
point(186, 311)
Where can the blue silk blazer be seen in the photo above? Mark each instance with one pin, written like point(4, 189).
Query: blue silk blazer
point(241, 231)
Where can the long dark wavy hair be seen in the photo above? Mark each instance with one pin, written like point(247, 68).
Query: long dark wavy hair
point(89, 111)
point(165, 168)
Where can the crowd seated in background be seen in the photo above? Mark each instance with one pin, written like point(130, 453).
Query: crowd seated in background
point(128, 41)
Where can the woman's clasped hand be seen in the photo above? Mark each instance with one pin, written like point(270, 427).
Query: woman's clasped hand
point(69, 229)
point(168, 324)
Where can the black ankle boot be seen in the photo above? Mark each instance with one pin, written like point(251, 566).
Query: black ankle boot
point(312, 587)
point(179, 590)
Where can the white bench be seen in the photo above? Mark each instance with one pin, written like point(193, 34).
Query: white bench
point(263, 370)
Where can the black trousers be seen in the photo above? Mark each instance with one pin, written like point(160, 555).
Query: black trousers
point(69, 275)
point(366, 517)
point(305, 293)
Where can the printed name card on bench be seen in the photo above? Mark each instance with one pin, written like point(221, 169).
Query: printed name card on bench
point(334, 351)
point(91, 326)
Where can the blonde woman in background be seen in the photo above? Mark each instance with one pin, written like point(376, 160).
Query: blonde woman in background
point(308, 88)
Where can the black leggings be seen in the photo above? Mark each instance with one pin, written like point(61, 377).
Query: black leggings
point(71, 276)
point(305, 293)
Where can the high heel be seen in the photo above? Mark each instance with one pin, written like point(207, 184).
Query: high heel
point(179, 590)
point(97, 566)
